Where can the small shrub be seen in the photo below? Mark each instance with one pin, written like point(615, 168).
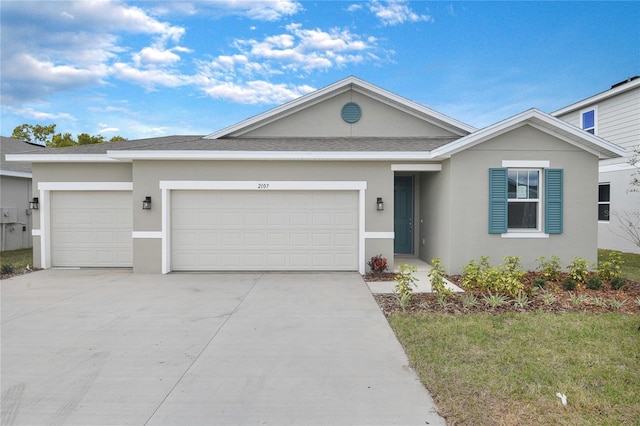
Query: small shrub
point(599, 302)
point(617, 283)
point(617, 304)
point(594, 283)
point(579, 269)
point(469, 300)
point(521, 300)
point(578, 299)
point(7, 268)
point(550, 269)
point(610, 268)
point(494, 300)
point(539, 283)
point(637, 301)
point(405, 283)
point(504, 279)
point(443, 301)
point(548, 298)
point(378, 264)
point(436, 275)
point(569, 284)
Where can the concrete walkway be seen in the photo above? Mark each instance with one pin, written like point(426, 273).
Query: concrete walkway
point(423, 284)
point(89, 347)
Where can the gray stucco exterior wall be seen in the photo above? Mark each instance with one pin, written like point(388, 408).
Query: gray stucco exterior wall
point(469, 202)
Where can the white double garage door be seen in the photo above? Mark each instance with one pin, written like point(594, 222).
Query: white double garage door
point(214, 230)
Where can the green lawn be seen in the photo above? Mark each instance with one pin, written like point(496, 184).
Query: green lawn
point(18, 258)
point(485, 369)
point(631, 267)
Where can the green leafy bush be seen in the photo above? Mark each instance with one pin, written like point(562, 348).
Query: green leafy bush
point(405, 283)
point(611, 267)
point(7, 268)
point(502, 279)
point(617, 283)
point(569, 284)
point(594, 283)
point(436, 275)
point(539, 283)
point(579, 269)
point(549, 269)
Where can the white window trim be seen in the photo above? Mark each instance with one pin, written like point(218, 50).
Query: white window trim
point(593, 108)
point(266, 185)
point(528, 165)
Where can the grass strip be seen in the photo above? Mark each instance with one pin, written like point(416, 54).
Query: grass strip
point(506, 369)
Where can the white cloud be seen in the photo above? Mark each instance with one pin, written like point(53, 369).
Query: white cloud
point(255, 92)
point(40, 115)
point(148, 78)
point(394, 12)
point(109, 130)
point(50, 47)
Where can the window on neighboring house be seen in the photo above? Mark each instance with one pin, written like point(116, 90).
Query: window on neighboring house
point(604, 201)
point(525, 201)
point(589, 121)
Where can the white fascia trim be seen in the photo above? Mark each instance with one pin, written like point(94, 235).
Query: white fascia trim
point(615, 168)
point(416, 167)
point(146, 234)
point(535, 118)
point(60, 158)
point(524, 235)
point(524, 163)
point(15, 174)
point(380, 235)
point(265, 185)
point(272, 155)
point(597, 98)
point(348, 83)
point(85, 186)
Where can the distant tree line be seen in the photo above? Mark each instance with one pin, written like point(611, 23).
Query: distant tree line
point(46, 135)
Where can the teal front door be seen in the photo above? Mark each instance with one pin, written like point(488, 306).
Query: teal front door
point(403, 214)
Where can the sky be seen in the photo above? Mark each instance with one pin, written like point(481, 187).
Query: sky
point(142, 69)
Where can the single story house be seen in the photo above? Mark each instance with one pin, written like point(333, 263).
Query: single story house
point(15, 195)
point(323, 182)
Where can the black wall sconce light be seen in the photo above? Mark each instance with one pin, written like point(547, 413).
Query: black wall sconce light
point(34, 204)
point(146, 203)
point(380, 204)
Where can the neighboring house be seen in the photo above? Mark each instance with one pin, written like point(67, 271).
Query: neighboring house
point(15, 194)
point(324, 182)
point(613, 115)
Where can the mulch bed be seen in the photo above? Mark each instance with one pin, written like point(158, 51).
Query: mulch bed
point(17, 272)
point(428, 302)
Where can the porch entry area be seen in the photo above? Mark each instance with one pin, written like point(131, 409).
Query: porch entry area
point(403, 220)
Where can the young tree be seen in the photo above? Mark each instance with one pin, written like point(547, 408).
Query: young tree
point(34, 134)
point(630, 219)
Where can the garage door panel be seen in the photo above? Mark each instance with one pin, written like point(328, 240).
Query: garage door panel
point(91, 229)
point(264, 230)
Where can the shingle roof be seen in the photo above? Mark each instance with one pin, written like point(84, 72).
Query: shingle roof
point(15, 146)
point(198, 143)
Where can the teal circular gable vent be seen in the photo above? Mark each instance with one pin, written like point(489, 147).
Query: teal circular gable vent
point(351, 112)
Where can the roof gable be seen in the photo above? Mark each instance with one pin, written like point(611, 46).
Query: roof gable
point(266, 124)
point(541, 121)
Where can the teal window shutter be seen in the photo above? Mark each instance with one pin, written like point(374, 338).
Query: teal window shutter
point(553, 183)
point(497, 201)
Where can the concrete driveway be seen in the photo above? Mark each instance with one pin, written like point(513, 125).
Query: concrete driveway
point(95, 347)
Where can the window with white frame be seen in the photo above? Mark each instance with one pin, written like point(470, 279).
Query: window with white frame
point(523, 198)
point(589, 121)
point(604, 201)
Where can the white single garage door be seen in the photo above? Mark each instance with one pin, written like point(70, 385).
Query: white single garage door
point(264, 230)
point(91, 228)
